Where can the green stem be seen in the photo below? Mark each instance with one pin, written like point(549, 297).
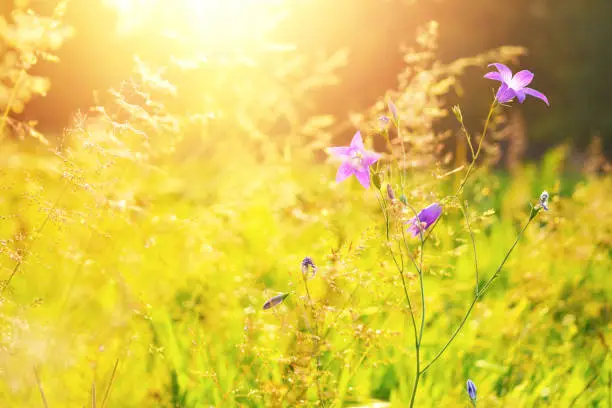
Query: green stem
point(479, 294)
point(316, 337)
point(416, 382)
point(464, 210)
point(484, 133)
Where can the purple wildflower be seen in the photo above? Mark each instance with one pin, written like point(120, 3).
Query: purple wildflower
point(356, 161)
point(513, 86)
point(424, 219)
point(276, 300)
point(309, 265)
point(471, 389)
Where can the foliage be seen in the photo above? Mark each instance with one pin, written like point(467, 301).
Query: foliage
point(25, 39)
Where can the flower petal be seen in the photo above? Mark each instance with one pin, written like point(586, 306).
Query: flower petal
point(363, 175)
point(430, 214)
point(342, 152)
point(345, 170)
point(536, 94)
point(506, 73)
point(357, 141)
point(414, 229)
point(496, 76)
point(505, 93)
point(370, 157)
point(520, 95)
point(522, 79)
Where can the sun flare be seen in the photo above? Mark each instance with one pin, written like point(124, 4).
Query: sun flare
point(220, 24)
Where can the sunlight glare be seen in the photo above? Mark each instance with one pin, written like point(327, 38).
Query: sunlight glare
point(213, 23)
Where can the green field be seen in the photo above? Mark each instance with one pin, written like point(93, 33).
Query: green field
point(144, 286)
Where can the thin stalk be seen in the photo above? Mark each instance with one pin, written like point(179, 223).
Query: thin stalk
point(478, 295)
point(464, 210)
point(316, 337)
point(36, 234)
point(401, 272)
point(484, 133)
point(9, 104)
point(93, 394)
point(416, 382)
point(40, 388)
point(385, 134)
point(469, 140)
point(417, 338)
point(110, 384)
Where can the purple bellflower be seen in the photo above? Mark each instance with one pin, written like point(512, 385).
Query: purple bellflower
point(356, 160)
point(471, 389)
point(424, 219)
point(513, 86)
point(308, 265)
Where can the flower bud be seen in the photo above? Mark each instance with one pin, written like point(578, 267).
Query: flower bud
point(471, 389)
point(274, 301)
point(308, 265)
point(390, 192)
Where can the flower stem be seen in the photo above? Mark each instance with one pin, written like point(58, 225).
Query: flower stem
point(478, 295)
point(316, 338)
point(475, 157)
point(464, 210)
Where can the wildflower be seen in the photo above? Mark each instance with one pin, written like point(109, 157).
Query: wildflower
point(308, 265)
point(390, 192)
point(513, 86)
point(424, 219)
point(471, 389)
point(356, 161)
point(393, 110)
point(544, 200)
point(276, 300)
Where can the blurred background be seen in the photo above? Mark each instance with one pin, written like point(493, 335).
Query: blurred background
point(567, 43)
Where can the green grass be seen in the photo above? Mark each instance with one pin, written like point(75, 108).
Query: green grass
point(163, 270)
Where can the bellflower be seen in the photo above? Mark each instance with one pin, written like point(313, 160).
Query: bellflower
point(513, 86)
point(471, 389)
point(276, 300)
point(424, 219)
point(356, 160)
point(309, 265)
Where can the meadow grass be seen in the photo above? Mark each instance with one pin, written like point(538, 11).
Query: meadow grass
point(154, 298)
